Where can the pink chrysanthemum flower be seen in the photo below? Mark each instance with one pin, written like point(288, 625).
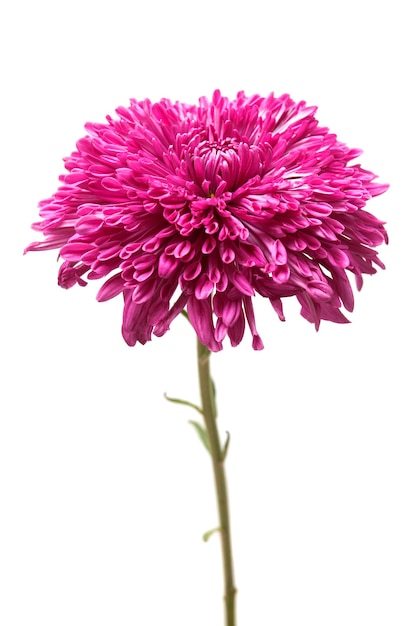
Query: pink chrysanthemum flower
point(200, 208)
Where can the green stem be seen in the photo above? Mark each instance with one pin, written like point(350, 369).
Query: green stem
point(217, 455)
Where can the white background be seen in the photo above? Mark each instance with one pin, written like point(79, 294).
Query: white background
point(105, 490)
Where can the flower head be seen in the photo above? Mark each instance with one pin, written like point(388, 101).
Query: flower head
point(201, 207)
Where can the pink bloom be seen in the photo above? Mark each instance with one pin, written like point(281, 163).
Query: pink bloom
point(203, 207)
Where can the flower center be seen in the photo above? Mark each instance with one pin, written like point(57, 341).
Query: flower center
point(220, 165)
point(217, 166)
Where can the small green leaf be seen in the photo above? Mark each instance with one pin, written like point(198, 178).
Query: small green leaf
point(225, 448)
point(212, 382)
point(185, 402)
point(213, 398)
point(203, 435)
point(184, 313)
point(208, 534)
